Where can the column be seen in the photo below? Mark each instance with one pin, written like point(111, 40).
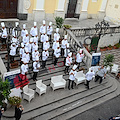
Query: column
point(83, 14)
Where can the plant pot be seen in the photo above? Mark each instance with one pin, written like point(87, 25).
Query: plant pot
point(109, 48)
point(14, 65)
point(103, 49)
point(115, 47)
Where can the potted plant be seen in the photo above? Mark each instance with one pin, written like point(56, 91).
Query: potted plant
point(67, 26)
point(15, 100)
point(116, 46)
point(103, 48)
point(109, 47)
point(107, 61)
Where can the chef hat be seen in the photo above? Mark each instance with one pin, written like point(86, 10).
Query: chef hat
point(37, 58)
point(74, 67)
point(13, 43)
point(35, 23)
point(22, 44)
point(47, 38)
point(65, 37)
point(43, 21)
point(14, 40)
point(70, 54)
point(16, 24)
point(50, 23)
point(57, 30)
point(58, 45)
point(2, 24)
point(67, 45)
point(81, 50)
point(31, 39)
point(58, 37)
point(26, 32)
point(26, 49)
point(24, 26)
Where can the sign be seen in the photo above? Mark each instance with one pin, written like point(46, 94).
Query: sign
point(10, 76)
point(95, 59)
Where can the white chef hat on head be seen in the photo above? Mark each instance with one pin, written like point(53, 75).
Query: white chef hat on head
point(67, 45)
point(58, 37)
point(37, 58)
point(81, 50)
point(24, 26)
point(57, 30)
point(2, 24)
point(43, 21)
point(13, 43)
point(58, 45)
point(35, 23)
point(16, 24)
point(26, 32)
point(26, 49)
point(74, 67)
point(22, 44)
point(70, 54)
point(50, 23)
point(65, 37)
point(31, 39)
point(47, 38)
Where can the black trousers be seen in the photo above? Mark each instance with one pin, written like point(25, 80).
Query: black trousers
point(66, 68)
point(78, 65)
point(3, 40)
point(64, 60)
point(62, 51)
point(55, 62)
point(11, 59)
point(50, 37)
point(43, 64)
point(35, 75)
point(87, 84)
point(70, 84)
point(98, 77)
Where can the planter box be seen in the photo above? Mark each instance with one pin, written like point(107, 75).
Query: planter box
point(14, 65)
point(115, 47)
point(103, 49)
point(109, 48)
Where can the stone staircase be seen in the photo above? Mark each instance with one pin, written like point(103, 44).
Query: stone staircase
point(62, 104)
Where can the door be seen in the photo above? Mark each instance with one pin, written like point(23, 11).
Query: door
point(8, 9)
point(71, 8)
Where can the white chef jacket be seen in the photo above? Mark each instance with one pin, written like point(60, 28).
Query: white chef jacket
point(34, 46)
point(46, 45)
point(4, 33)
point(14, 33)
point(43, 38)
point(34, 31)
point(36, 39)
point(66, 52)
point(64, 42)
point(15, 40)
point(89, 75)
point(49, 30)
point(57, 53)
point(55, 45)
point(24, 69)
point(25, 39)
point(36, 66)
point(27, 56)
point(34, 54)
point(45, 55)
point(55, 36)
point(43, 29)
point(79, 57)
point(72, 77)
point(23, 32)
point(68, 61)
point(22, 51)
point(13, 51)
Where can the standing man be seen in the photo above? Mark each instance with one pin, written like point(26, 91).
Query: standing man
point(68, 62)
point(89, 75)
point(43, 28)
point(46, 44)
point(49, 30)
point(100, 74)
point(34, 30)
point(79, 57)
point(56, 34)
point(36, 67)
point(45, 55)
point(72, 76)
point(23, 32)
point(1, 112)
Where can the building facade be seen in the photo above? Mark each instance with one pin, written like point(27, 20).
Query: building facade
point(38, 10)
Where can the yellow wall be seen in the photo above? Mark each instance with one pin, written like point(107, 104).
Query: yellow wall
point(94, 7)
point(50, 6)
point(33, 6)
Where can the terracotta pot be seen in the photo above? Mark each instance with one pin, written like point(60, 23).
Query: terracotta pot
point(109, 48)
point(103, 49)
point(115, 47)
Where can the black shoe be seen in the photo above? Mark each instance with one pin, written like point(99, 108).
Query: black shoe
point(72, 87)
point(68, 88)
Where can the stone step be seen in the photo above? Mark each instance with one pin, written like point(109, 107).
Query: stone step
point(54, 97)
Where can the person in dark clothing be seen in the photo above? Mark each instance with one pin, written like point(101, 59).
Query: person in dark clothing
point(1, 111)
point(18, 111)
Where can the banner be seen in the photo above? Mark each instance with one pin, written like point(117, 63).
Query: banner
point(95, 59)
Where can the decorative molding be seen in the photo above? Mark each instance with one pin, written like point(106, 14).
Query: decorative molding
point(27, 4)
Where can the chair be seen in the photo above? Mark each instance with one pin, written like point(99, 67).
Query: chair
point(40, 87)
point(115, 69)
point(28, 93)
point(57, 82)
point(80, 77)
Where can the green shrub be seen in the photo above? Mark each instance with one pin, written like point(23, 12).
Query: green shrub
point(59, 22)
point(67, 26)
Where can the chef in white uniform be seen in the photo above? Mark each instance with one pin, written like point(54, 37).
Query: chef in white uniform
point(22, 50)
point(72, 75)
point(43, 28)
point(64, 45)
point(26, 38)
point(23, 32)
point(34, 30)
point(24, 67)
point(50, 30)
point(4, 33)
point(79, 57)
point(26, 55)
point(45, 55)
point(14, 33)
point(46, 44)
point(68, 62)
point(34, 46)
point(35, 54)
point(36, 67)
point(56, 34)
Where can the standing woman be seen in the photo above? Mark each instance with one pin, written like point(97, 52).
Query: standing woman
point(18, 111)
